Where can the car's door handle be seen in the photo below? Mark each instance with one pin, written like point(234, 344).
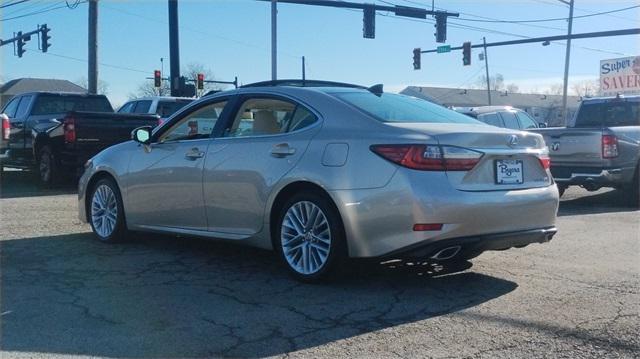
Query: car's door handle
point(282, 150)
point(194, 154)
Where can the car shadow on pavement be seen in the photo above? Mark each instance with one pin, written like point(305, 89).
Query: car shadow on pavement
point(603, 201)
point(23, 183)
point(170, 297)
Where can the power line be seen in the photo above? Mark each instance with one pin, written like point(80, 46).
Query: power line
point(101, 63)
point(44, 10)
point(635, 21)
point(553, 19)
point(13, 3)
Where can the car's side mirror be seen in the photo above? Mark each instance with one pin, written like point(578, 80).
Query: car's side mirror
point(142, 135)
point(542, 124)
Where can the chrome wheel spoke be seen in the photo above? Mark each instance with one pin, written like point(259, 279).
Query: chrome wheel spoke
point(305, 237)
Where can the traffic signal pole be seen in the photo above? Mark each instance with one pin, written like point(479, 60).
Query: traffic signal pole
point(486, 66)
point(274, 40)
point(92, 75)
point(566, 63)
point(174, 49)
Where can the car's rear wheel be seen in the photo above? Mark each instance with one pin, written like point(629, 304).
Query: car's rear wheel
point(310, 237)
point(106, 213)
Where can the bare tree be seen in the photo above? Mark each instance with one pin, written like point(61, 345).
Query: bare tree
point(103, 86)
point(513, 88)
point(586, 88)
point(554, 89)
point(497, 82)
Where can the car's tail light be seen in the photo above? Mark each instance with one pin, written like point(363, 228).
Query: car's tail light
point(160, 121)
point(6, 127)
point(609, 146)
point(429, 157)
point(421, 227)
point(69, 127)
point(545, 161)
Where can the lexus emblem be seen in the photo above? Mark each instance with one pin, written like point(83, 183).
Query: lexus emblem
point(513, 140)
point(555, 146)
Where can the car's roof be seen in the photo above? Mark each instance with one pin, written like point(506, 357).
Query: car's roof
point(620, 98)
point(487, 109)
point(161, 98)
point(60, 93)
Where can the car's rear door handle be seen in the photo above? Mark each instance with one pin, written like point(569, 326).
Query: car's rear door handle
point(194, 154)
point(282, 150)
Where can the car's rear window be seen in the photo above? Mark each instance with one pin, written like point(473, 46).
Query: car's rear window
point(168, 108)
point(609, 114)
point(399, 108)
point(51, 104)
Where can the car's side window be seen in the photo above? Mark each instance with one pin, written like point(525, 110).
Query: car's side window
point(12, 106)
point(491, 119)
point(526, 121)
point(23, 107)
point(262, 116)
point(301, 118)
point(142, 107)
point(510, 120)
point(197, 124)
point(127, 107)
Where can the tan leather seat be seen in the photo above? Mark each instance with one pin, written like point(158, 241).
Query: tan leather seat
point(265, 123)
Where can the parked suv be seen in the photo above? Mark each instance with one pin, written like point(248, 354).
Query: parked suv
point(503, 116)
point(163, 106)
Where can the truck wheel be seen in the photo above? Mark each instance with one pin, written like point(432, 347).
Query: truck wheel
point(633, 189)
point(48, 167)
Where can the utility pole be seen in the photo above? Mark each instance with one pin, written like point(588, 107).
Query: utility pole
point(304, 77)
point(174, 49)
point(566, 62)
point(486, 66)
point(274, 40)
point(93, 47)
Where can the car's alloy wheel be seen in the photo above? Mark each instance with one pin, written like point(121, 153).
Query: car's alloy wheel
point(310, 236)
point(104, 211)
point(46, 166)
point(305, 237)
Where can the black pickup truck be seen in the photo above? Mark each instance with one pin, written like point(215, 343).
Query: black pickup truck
point(57, 132)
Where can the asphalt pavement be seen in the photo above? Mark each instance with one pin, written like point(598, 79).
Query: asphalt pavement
point(65, 294)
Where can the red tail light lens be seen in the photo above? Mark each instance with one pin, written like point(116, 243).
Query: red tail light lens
point(545, 161)
point(69, 130)
point(609, 146)
point(6, 127)
point(429, 158)
point(422, 227)
point(160, 121)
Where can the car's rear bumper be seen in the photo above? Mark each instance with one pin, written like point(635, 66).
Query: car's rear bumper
point(469, 247)
point(380, 221)
point(592, 176)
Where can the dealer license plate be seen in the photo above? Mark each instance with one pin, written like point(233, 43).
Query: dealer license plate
point(509, 172)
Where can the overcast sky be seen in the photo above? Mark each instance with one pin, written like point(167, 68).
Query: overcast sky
point(232, 38)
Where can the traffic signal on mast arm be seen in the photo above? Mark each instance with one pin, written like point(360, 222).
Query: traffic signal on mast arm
point(44, 37)
point(441, 28)
point(200, 81)
point(369, 22)
point(21, 43)
point(466, 53)
point(416, 58)
point(157, 78)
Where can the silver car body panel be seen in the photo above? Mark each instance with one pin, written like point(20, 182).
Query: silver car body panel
point(379, 202)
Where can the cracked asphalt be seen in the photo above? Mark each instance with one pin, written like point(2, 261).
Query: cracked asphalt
point(64, 294)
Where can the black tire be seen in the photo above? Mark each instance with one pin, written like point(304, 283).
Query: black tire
point(48, 168)
point(633, 190)
point(561, 190)
point(119, 232)
point(337, 252)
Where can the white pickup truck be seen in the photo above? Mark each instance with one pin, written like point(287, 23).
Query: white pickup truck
point(600, 147)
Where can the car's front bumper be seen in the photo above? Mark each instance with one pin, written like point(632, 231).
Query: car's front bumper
point(380, 221)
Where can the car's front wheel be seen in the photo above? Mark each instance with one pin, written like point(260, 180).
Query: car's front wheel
point(310, 237)
point(106, 213)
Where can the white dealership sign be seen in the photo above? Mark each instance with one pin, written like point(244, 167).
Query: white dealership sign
point(620, 76)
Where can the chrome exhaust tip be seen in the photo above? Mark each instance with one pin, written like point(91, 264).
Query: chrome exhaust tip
point(446, 253)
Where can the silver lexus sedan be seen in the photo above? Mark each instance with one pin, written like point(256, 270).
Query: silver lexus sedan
point(323, 171)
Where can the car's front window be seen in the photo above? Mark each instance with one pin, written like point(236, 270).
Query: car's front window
point(399, 108)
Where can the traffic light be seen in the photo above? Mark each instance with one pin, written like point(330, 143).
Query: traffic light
point(21, 43)
point(157, 78)
point(416, 58)
point(466, 53)
point(369, 22)
point(441, 28)
point(200, 81)
point(44, 38)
